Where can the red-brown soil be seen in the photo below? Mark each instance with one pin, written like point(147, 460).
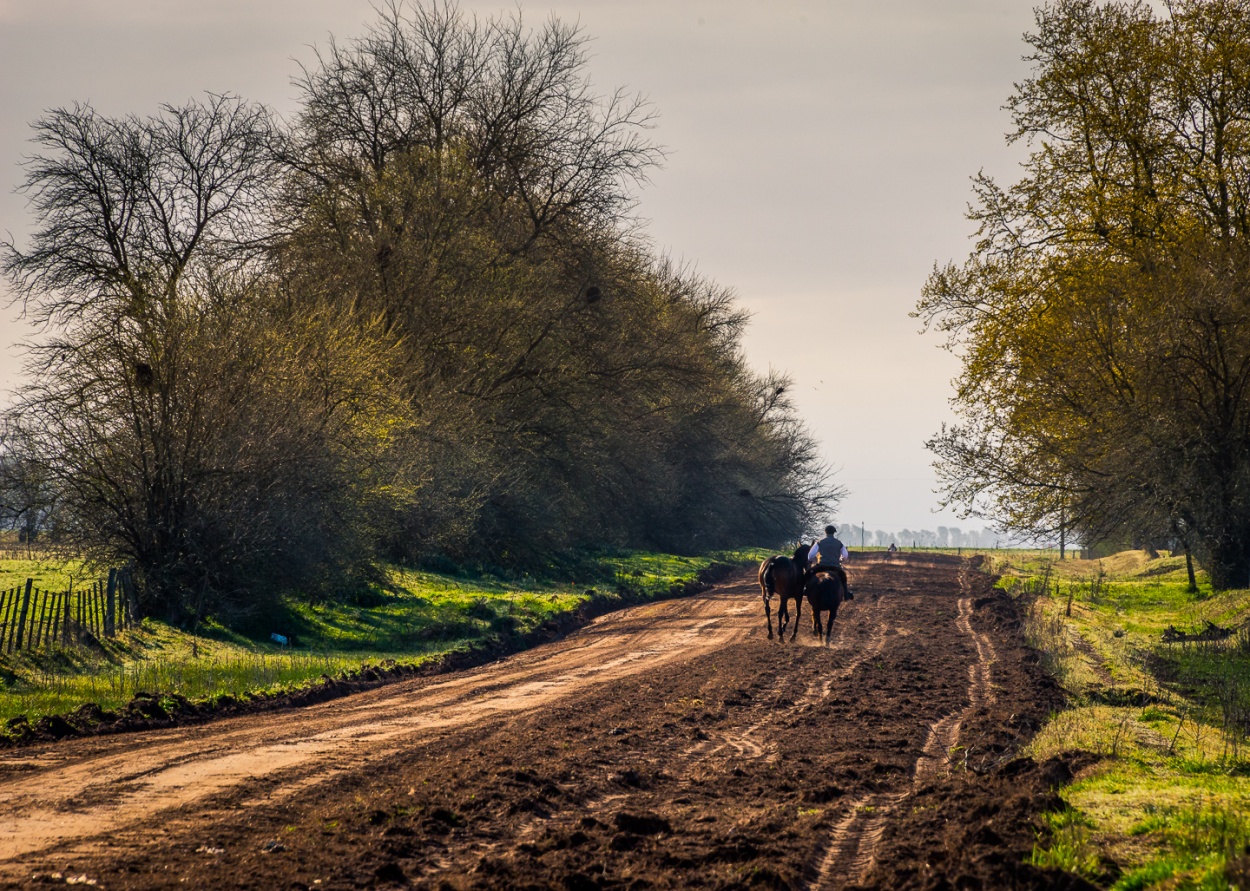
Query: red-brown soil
point(669, 745)
point(150, 711)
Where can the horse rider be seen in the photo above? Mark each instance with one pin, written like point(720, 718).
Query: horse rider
point(827, 555)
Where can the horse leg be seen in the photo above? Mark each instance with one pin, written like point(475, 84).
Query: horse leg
point(833, 614)
point(783, 617)
point(768, 613)
point(798, 614)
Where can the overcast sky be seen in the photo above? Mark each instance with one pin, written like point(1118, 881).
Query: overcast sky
point(819, 164)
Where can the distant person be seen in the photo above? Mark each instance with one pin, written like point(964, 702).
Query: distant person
point(892, 549)
point(827, 555)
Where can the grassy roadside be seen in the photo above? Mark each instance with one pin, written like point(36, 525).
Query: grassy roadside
point(414, 617)
point(1168, 804)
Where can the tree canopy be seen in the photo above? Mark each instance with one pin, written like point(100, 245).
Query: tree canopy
point(417, 319)
point(1103, 320)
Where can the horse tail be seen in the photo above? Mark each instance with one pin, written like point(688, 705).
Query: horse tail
point(769, 584)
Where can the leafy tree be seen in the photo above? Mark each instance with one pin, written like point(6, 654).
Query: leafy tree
point(1103, 316)
point(461, 181)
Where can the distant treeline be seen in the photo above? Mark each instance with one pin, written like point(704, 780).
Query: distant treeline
point(417, 320)
point(943, 537)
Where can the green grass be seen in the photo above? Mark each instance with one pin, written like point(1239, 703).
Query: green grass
point(1165, 806)
point(413, 617)
point(49, 572)
point(1071, 848)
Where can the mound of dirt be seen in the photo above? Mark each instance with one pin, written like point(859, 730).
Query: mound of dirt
point(976, 831)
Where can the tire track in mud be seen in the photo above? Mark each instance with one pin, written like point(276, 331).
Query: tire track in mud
point(852, 846)
point(746, 741)
point(736, 744)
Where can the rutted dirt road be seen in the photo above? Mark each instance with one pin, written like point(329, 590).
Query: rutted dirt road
point(668, 745)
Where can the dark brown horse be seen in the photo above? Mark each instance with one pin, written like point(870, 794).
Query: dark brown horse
point(825, 592)
point(783, 576)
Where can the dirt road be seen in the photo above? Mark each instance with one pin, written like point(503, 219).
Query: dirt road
point(668, 745)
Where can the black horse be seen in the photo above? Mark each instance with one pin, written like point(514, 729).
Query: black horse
point(784, 576)
point(825, 592)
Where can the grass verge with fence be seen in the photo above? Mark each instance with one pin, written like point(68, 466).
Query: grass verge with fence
point(411, 618)
point(1158, 679)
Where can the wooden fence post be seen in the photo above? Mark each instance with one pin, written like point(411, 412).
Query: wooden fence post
point(6, 607)
point(11, 620)
point(110, 614)
point(132, 605)
point(54, 623)
point(17, 611)
point(45, 617)
point(69, 605)
point(6, 629)
point(41, 631)
point(21, 620)
point(36, 621)
point(49, 614)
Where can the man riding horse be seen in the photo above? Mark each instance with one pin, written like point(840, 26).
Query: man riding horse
point(827, 555)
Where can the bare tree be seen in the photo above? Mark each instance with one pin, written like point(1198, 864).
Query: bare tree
point(28, 496)
point(192, 424)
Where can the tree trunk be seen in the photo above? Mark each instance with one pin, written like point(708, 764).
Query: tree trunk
point(1226, 557)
